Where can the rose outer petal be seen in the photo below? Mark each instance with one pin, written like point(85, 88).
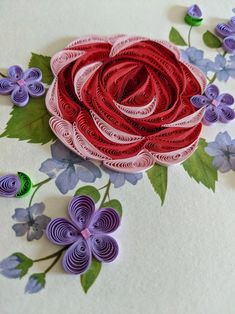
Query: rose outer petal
point(106, 220)
point(60, 231)
point(77, 258)
point(104, 248)
point(81, 209)
point(20, 96)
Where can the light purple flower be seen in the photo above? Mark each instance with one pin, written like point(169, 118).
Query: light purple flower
point(8, 267)
point(86, 233)
point(217, 106)
point(196, 57)
point(35, 283)
point(68, 168)
point(31, 221)
point(22, 85)
point(224, 68)
point(227, 32)
point(118, 179)
point(223, 151)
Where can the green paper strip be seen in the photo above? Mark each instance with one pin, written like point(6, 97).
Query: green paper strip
point(26, 185)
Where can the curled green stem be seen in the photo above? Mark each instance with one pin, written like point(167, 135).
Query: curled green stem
point(106, 193)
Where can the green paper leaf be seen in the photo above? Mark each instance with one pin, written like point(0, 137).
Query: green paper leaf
point(211, 40)
point(90, 276)
point(158, 178)
point(25, 263)
point(43, 63)
point(199, 166)
point(176, 38)
point(90, 191)
point(30, 123)
point(115, 204)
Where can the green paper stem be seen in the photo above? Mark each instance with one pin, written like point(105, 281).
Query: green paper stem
point(189, 35)
point(38, 185)
point(106, 193)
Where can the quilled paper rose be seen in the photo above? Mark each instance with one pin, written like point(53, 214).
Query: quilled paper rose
point(22, 85)
point(86, 234)
point(125, 101)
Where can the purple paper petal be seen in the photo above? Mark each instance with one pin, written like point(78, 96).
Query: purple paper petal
point(194, 11)
point(81, 209)
point(61, 231)
point(32, 75)
point(231, 23)
point(106, 220)
point(20, 96)
point(15, 73)
point(36, 89)
point(229, 44)
point(226, 99)
point(77, 258)
point(226, 113)
point(9, 185)
point(104, 248)
point(199, 101)
point(223, 30)
point(210, 116)
point(6, 86)
point(212, 91)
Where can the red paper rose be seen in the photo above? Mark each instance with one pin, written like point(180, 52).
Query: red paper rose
point(125, 101)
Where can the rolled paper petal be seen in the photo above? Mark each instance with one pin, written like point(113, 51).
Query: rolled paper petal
point(9, 185)
point(211, 116)
point(229, 44)
point(25, 185)
point(81, 209)
point(77, 258)
point(20, 96)
point(226, 99)
point(194, 11)
point(231, 23)
point(226, 113)
point(6, 86)
point(212, 91)
point(32, 75)
point(36, 89)
point(199, 101)
point(104, 248)
point(61, 231)
point(15, 73)
point(106, 220)
point(223, 30)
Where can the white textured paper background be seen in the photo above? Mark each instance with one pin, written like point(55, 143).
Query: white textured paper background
point(175, 259)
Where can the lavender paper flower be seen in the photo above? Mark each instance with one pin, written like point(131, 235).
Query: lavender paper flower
point(22, 85)
point(68, 168)
point(217, 106)
point(196, 56)
point(31, 221)
point(35, 283)
point(224, 68)
point(118, 179)
point(223, 151)
point(227, 32)
point(9, 185)
point(86, 233)
point(194, 15)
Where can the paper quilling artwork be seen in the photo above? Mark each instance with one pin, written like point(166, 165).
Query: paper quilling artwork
point(122, 106)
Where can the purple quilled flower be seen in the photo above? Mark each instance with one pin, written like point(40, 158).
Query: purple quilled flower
point(86, 233)
point(217, 106)
point(30, 221)
point(223, 152)
point(22, 85)
point(227, 32)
